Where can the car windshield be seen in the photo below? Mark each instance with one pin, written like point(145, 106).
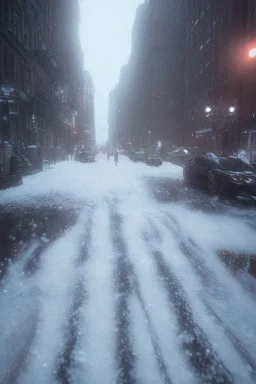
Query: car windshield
point(211, 155)
point(234, 165)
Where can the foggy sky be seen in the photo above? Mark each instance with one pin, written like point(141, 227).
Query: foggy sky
point(106, 27)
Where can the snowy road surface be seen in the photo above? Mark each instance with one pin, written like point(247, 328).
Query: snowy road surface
point(123, 275)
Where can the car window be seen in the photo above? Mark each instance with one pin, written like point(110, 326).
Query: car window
point(201, 161)
point(233, 164)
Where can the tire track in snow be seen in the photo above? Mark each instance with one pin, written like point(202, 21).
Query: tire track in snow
point(33, 263)
point(198, 350)
point(98, 332)
point(197, 263)
point(125, 356)
point(190, 251)
point(147, 370)
point(20, 225)
point(19, 301)
point(85, 240)
point(127, 285)
point(53, 279)
point(66, 359)
point(23, 268)
point(66, 363)
point(249, 361)
point(16, 347)
point(154, 340)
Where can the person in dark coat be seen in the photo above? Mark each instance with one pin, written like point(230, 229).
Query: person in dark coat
point(116, 157)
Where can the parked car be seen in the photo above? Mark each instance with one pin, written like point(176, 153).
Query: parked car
point(154, 161)
point(178, 156)
point(138, 155)
point(253, 165)
point(86, 156)
point(226, 176)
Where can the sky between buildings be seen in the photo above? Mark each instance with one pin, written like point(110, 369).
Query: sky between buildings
point(106, 27)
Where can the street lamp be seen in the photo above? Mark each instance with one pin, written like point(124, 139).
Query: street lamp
point(232, 109)
point(252, 53)
point(208, 109)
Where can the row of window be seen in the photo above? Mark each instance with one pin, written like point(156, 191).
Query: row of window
point(41, 90)
point(16, 20)
point(14, 69)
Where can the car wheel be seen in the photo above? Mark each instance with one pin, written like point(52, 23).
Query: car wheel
point(212, 184)
point(186, 175)
point(224, 191)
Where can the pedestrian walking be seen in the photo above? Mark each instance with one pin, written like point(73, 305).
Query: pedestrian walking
point(116, 157)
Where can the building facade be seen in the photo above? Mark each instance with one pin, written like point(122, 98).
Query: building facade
point(185, 82)
point(248, 99)
point(41, 75)
point(128, 102)
point(88, 105)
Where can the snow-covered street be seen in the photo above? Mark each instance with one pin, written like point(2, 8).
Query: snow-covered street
point(124, 275)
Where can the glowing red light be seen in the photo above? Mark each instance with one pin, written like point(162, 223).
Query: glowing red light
point(252, 53)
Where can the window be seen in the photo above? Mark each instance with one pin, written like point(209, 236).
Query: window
point(26, 33)
point(16, 21)
point(15, 24)
point(22, 76)
point(6, 72)
point(27, 79)
point(12, 66)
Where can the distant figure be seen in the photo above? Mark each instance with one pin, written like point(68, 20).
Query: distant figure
point(116, 157)
point(108, 155)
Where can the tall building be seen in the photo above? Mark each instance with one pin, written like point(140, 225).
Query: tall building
point(215, 33)
point(184, 79)
point(41, 79)
point(16, 72)
point(248, 102)
point(114, 133)
point(128, 101)
point(70, 75)
point(87, 113)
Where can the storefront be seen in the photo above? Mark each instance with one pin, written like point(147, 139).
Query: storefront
point(248, 146)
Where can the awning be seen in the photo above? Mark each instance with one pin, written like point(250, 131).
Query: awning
point(202, 131)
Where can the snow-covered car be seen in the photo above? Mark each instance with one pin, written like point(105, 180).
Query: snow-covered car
point(154, 161)
point(253, 166)
point(226, 176)
point(179, 156)
point(86, 156)
point(138, 155)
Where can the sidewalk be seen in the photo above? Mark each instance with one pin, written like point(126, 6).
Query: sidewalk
point(10, 180)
